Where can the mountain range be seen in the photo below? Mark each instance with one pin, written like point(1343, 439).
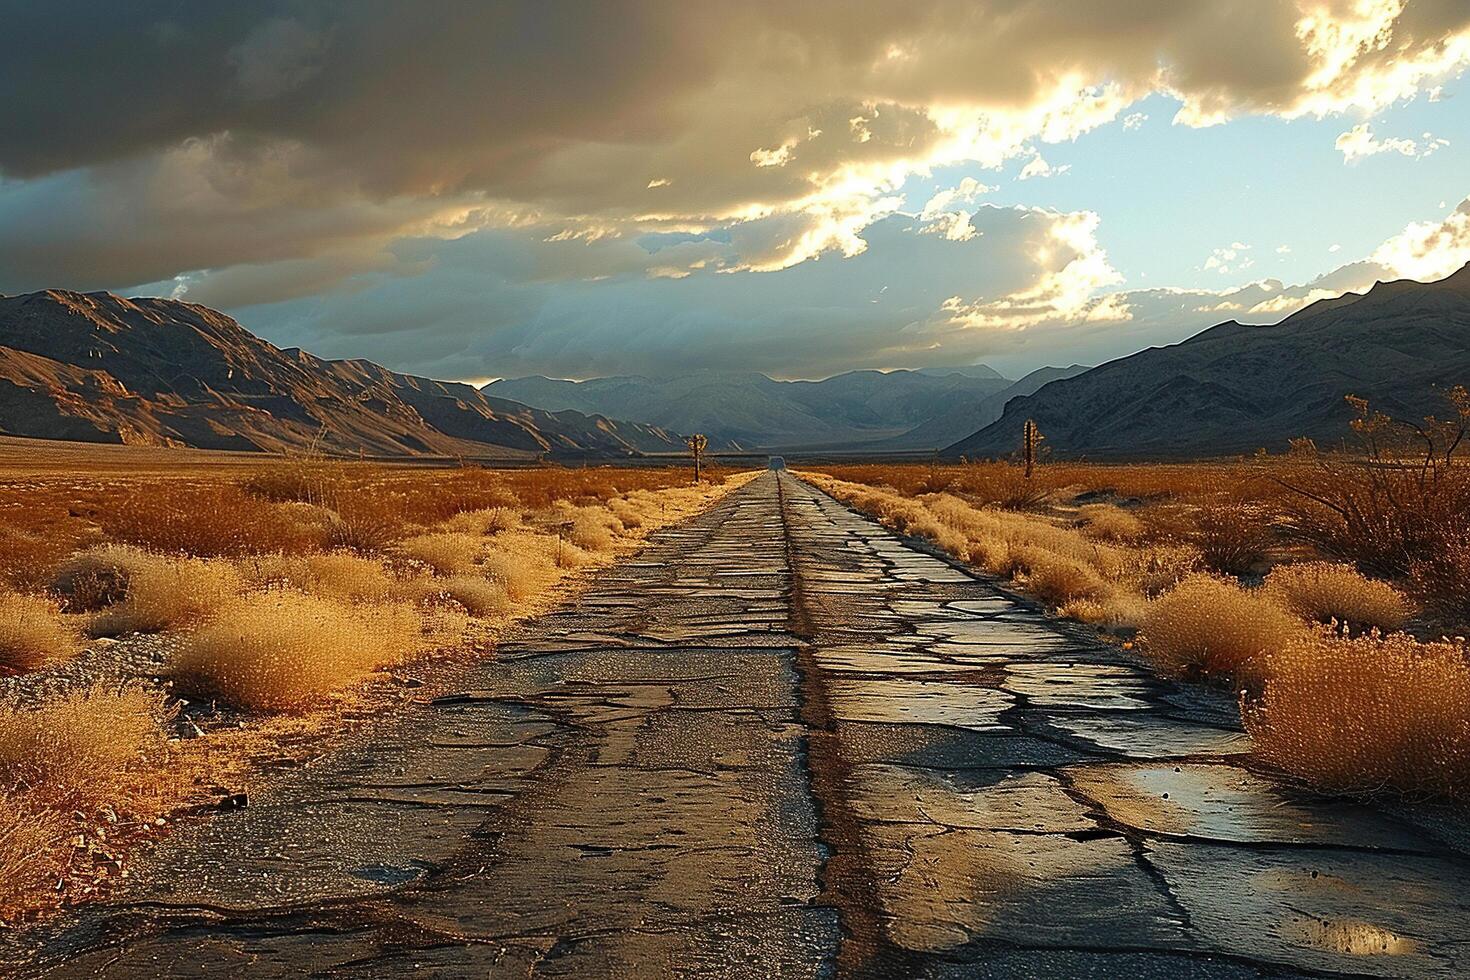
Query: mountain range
point(1235, 388)
point(96, 367)
point(881, 410)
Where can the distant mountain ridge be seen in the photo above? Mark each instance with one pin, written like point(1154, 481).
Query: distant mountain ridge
point(1235, 388)
point(960, 420)
point(96, 367)
point(856, 409)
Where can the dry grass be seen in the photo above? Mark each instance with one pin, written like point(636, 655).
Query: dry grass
point(479, 596)
point(79, 777)
point(589, 528)
point(81, 751)
point(446, 552)
point(1101, 582)
point(206, 521)
point(1108, 522)
point(1057, 579)
point(519, 572)
point(1211, 628)
point(33, 633)
point(1441, 578)
point(284, 651)
point(486, 520)
point(135, 591)
point(1365, 714)
point(1327, 592)
point(1003, 485)
point(177, 548)
point(1233, 537)
point(337, 574)
point(32, 853)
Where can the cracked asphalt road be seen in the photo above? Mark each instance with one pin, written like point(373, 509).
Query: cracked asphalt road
point(784, 742)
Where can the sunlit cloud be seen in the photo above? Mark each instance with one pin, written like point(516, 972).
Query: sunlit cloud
point(1231, 258)
point(758, 141)
point(1360, 142)
point(1428, 250)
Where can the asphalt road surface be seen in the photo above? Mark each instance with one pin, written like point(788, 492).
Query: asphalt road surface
point(784, 742)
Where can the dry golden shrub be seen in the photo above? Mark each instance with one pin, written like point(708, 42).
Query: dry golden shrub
point(1156, 568)
point(590, 527)
point(1057, 579)
point(1325, 591)
point(446, 552)
point(1366, 714)
point(594, 529)
point(281, 650)
point(147, 592)
point(1118, 611)
point(1233, 537)
point(363, 521)
point(486, 520)
point(1210, 627)
point(305, 480)
point(316, 521)
point(207, 520)
point(569, 556)
point(33, 633)
point(81, 750)
point(1441, 578)
point(1108, 522)
point(519, 573)
point(338, 574)
point(27, 557)
point(98, 577)
point(481, 597)
point(630, 511)
point(33, 844)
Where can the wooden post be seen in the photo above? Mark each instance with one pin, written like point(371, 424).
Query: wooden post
point(1030, 442)
point(696, 447)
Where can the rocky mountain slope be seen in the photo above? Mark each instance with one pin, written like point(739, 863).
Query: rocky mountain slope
point(854, 409)
point(1235, 388)
point(99, 368)
point(958, 421)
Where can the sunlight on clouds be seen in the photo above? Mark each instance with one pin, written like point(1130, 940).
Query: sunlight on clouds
point(777, 157)
point(1286, 302)
point(1429, 250)
point(943, 218)
point(737, 139)
point(1358, 62)
point(1073, 267)
point(1231, 258)
point(1360, 142)
point(964, 193)
point(1038, 167)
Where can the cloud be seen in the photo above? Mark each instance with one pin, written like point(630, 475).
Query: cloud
point(1428, 250)
point(800, 120)
point(1028, 283)
point(1070, 267)
point(1359, 142)
point(1231, 258)
point(1037, 167)
point(589, 187)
